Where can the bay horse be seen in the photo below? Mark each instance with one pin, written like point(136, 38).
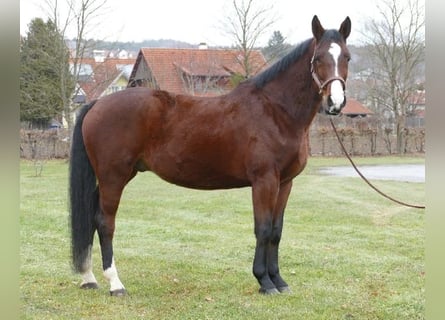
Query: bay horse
point(254, 136)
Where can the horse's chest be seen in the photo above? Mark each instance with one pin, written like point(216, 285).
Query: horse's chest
point(295, 161)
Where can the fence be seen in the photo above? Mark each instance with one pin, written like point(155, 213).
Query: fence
point(360, 137)
point(44, 144)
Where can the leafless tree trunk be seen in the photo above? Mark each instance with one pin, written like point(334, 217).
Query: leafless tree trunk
point(245, 24)
point(80, 15)
point(397, 43)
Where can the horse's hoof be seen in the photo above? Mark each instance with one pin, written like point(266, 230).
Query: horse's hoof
point(270, 291)
point(118, 293)
point(284, 289)
point(89, 285)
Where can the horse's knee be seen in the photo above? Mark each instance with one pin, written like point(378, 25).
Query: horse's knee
point(259, 271)
point(275, 237)
point(263, 232)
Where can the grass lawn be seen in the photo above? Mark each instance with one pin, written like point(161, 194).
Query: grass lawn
point(346, 252)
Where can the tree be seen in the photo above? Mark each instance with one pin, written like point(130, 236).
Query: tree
point(397, 44)
point(44, 58)
point(81, 16)
point(245, 24)
point(277, 47)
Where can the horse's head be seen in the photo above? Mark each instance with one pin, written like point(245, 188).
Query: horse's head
point(329, 64)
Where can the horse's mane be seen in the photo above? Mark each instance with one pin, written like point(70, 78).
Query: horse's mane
point(270, 73)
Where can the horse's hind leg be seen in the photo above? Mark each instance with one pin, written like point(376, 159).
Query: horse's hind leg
point(110, 190)
point(88, 279)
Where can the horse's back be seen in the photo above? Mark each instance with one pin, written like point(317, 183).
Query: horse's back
point(128, 106)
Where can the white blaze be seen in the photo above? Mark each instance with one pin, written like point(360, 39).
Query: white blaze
point(337, 94)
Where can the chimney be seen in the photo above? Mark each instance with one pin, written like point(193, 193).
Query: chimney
point(203, 46)
point(99, 55)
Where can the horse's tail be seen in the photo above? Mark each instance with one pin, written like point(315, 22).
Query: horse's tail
point(84, 196)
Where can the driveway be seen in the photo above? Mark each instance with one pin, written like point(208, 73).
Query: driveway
point(403, 172)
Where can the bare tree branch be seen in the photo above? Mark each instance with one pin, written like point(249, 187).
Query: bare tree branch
point(82, 16)
point(245, 24)
point(397, 43)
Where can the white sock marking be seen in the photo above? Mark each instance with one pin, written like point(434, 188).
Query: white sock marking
point(88, 276)
point(111, 275)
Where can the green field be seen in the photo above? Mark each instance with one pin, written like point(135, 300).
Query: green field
point(346, 252)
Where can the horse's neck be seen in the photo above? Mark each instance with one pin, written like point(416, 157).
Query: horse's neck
point(294, 90)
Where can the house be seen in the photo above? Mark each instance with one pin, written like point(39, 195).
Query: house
point(100, 76)
point(354, 108)
point(416, 109)
point(201, 71)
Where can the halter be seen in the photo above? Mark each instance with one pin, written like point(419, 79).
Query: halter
point(322, 85)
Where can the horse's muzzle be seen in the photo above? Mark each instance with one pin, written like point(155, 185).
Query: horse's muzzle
point(334, 107)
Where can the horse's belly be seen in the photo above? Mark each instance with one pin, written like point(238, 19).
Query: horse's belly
point(207, 182)
point(196, 174)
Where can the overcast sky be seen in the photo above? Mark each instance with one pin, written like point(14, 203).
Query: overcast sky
point(196, 21)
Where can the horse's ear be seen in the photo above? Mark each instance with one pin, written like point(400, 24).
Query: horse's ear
point(317, 29)
point(345, 28)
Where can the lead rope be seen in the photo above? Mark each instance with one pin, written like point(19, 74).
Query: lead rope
point(366, 180)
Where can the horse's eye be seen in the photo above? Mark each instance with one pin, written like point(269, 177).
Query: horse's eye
point(348, 58)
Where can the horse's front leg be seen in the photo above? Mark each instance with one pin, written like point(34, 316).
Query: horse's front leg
point(277, 228)
point(264, 196)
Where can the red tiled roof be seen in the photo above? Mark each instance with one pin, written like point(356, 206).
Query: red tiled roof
point(353, 107)
point(167, 64)
point(103, 74)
